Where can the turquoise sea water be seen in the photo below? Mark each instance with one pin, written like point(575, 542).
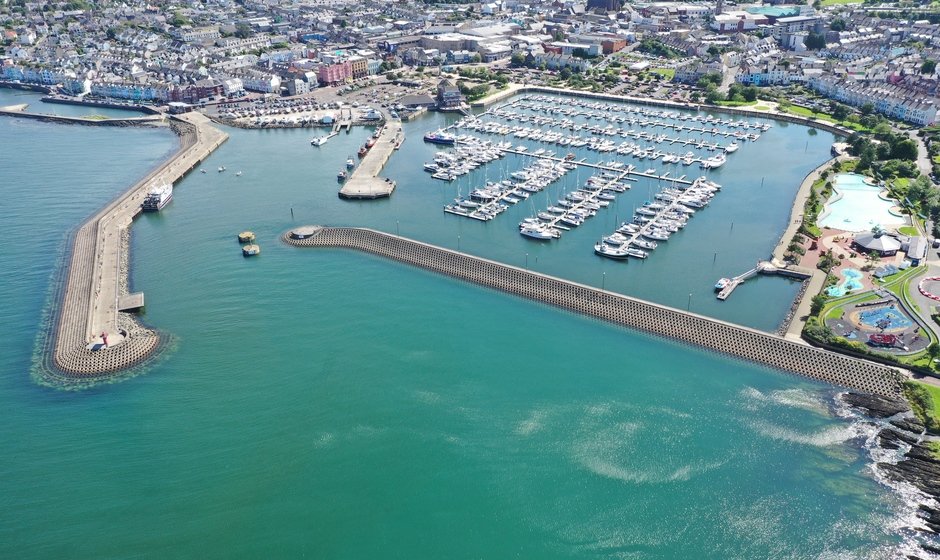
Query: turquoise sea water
point(327, 404)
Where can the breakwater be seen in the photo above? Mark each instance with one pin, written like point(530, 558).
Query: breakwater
point(90, 337)
point(146, 109)
point(741, 342)
point(153, 120)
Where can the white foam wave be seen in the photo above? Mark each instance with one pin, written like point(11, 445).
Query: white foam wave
point(427, 397)
point(325, 439)
point(531, 425)
point(825, 438)
point(793, 398)
point(607, 469)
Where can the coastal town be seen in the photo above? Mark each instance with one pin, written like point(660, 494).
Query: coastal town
point(541, 122)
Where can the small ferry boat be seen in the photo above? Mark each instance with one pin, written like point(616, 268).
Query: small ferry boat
point(221, 168)
point(251, 250)
point(370, 142)
point(157, 198)
point(246, 236)
point(731, 148)
point(202, 170)
point(363, 151)
point(319, 141)
point(239, 174)
point(722, 284)
point(341, 176)
point(350, 163)
point(440, 137)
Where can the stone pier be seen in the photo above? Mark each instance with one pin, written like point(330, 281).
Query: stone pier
point(733, 340)
point(95, 278)
point(365, 183)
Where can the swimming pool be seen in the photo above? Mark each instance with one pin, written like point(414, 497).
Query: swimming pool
point(852, 282)
point(859, 208)
point(886, 318)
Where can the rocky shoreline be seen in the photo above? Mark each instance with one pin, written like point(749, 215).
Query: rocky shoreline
point(919, 467)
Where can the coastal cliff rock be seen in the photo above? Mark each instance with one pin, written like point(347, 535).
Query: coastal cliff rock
point(876, 406)
point(919, 467)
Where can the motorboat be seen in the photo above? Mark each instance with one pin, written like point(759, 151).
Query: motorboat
point(608, 251)
point(542, 233)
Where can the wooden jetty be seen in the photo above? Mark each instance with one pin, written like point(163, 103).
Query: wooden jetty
point(762, 267)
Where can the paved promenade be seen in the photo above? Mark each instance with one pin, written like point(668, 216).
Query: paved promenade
point(365, 183)
point(96, 276)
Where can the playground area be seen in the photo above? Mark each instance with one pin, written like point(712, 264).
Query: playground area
point(882, 324)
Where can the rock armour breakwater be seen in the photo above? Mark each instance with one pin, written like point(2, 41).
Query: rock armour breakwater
point(741, 342)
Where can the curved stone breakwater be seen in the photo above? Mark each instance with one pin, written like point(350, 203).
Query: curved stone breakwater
point(96, 274)
point(741, 342)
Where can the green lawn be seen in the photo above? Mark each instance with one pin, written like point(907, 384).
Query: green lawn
point(935, 395)
point(804, 112)
point(908, 230)
point(667, 73)
point(838, 2)
point(735, 103)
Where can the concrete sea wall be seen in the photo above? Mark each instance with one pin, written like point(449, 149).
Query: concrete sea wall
point(741, 342)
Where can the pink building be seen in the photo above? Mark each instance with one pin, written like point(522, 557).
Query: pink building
point(337, 73)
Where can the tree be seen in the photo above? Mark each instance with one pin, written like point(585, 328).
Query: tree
point(565, 73)
point(817, 303)
point(178, 19)
point(928, 67)
point(905, 150)
point(714, 51)
point(517, 58)
point(867, 108)
point(933, 350)
point(750, 93)
point(243, 30)
point(838, 24)
point(839, 111)
point(815, 41)
point(713, 96)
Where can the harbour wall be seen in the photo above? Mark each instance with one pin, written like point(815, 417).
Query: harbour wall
point(129, 121)
point(741, 342)
point(147, 109)
point(25, 87)
point(96, 275)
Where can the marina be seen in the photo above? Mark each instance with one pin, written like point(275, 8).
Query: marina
point(657, 220)
point(510, 128)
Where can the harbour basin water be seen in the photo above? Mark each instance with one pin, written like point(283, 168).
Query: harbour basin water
point(306, 412)
point(859, 208)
